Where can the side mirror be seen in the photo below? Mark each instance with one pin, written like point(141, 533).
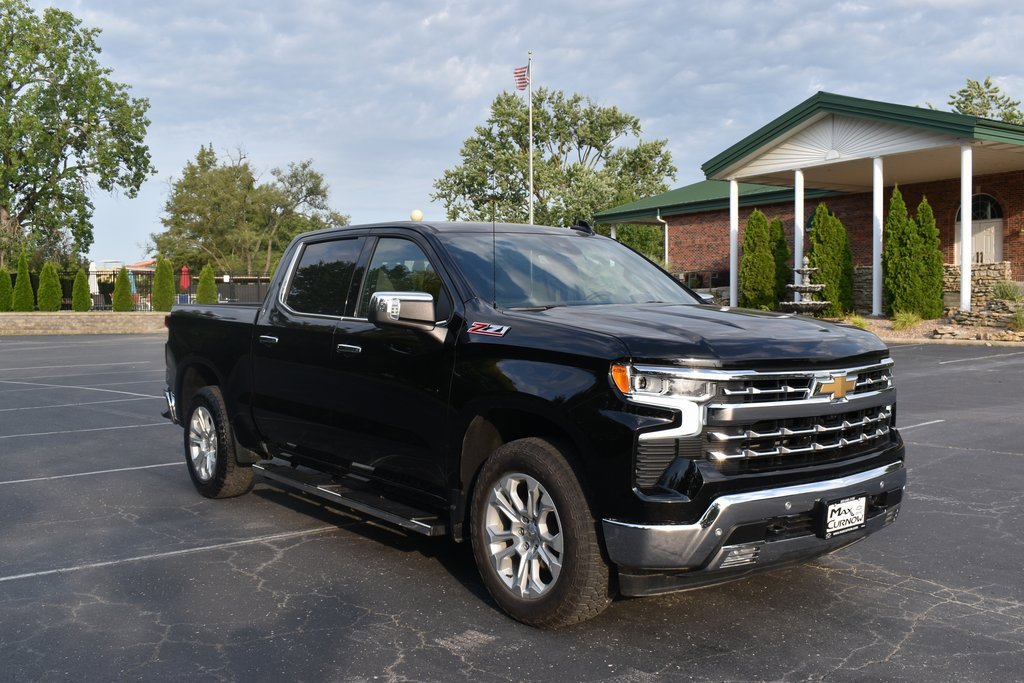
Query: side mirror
point(404, 310)
point(706, 298)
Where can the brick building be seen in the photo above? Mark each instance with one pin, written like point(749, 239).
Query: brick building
point(849, 153)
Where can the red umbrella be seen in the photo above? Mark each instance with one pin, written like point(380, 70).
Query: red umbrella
point(186, 281)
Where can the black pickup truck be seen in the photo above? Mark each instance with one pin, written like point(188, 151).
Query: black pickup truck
point(589, 424)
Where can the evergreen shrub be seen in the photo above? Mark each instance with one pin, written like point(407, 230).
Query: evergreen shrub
point(49, 294)
point(780, 250)
point(163, 285)
point(829, 252)
point(757, 265)
point(81, 298)
point(929, 260)
point(206, 291)
point(24, 298)
point(122, 299)
point(6, 292)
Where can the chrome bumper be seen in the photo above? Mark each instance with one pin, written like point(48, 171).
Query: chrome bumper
point(699, 549)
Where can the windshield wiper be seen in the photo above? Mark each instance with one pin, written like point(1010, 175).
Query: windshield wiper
point(535, 308)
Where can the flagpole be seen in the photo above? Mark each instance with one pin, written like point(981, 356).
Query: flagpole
point(529, 73)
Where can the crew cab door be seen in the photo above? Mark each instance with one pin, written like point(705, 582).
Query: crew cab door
point(293, 353)
point(393, 406)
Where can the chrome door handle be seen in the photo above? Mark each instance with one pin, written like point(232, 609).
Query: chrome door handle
point(267, 339)
point(348, 349)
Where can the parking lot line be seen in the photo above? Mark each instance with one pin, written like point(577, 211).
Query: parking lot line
point(84, 403)
point(172, 553)
point(81, 365)
point(89, 474)
point(78, 386)
point(94, 429)
point(994, 355)
point(65, 386)
point(921, 424)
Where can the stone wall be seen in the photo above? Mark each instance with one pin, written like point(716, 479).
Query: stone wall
point(984, 277)
point(90, 322)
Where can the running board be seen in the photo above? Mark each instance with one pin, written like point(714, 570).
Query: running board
point(325, 487)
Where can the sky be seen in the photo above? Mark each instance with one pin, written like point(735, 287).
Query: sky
point(381, 95)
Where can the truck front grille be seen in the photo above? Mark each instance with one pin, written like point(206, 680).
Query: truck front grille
point(772, 387)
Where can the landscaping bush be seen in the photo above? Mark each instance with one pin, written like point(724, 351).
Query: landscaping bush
point(49, 294)
point(858, 321)
point(81, 299)
point(904, 319)
point(24, 298)
point(780, 250)
point(163, 286)
point(1007, 291)
point(6, 293)
point(829, 252)
point(929, 260)
point(757, 265)
point(1017, 321)
point(206, 291)
point(122, 299)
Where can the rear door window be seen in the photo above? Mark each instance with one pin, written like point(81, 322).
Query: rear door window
point(323, 278)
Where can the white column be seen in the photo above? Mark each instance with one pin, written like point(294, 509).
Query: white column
point(798, 228)
point(966, 225)
point(877, 201)
point(615, 232)
point(734, 238)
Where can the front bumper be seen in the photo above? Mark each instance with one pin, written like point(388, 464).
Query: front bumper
point(746, 532)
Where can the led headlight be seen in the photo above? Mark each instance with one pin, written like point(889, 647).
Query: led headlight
point(649, 383)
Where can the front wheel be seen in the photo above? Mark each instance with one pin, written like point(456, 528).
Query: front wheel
point(210, 448)
point(535, 539)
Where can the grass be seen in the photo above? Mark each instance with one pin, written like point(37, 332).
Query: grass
point(902, 320)
point(858, 321)
point(1017, 321)
point(1008, 291)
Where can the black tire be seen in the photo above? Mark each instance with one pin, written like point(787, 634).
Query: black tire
point(210, 448)
point(580, 587)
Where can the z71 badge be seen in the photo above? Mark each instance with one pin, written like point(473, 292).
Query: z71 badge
point(488, 329)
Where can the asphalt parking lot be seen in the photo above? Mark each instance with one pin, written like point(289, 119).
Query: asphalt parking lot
point(113, 568)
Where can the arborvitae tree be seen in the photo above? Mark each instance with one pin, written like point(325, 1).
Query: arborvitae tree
point(780, 250)
point(24, 298)
point(50, 293)
point(122, 299)
point(757, 266)
point(901, 276)
point(163, 286)
point(6, 293)
point(81, 300)
point(830, 253)
point(206, 292)
point(930, 260)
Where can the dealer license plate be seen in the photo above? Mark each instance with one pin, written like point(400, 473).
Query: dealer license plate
point(843, 516)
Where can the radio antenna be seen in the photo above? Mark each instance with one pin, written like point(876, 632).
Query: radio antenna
point(494, 250)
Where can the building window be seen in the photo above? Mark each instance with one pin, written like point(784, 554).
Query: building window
point(983, 208)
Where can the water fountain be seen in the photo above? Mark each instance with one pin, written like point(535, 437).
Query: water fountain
point(807, 305)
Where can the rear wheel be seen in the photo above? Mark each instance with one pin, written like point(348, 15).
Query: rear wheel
point(534, 538)
point(210, 448)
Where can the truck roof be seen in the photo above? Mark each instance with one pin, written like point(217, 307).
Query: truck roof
point(436, 227)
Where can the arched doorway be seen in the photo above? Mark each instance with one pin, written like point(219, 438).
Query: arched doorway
point(987, 241)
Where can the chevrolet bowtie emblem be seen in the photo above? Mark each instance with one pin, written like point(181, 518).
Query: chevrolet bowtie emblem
point(835, 386)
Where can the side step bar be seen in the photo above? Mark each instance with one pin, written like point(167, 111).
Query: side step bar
point(325, 487)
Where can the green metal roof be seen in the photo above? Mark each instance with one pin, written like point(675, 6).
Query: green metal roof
point(950, 123)
point(707, 195)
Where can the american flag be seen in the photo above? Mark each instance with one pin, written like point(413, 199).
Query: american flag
point(522, 76)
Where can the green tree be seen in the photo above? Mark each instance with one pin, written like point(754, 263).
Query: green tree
point(122, 299)
point(757, 264)
point(901, 275)
point(64, 125)
point(930, 261)
point(81, 300)
point(986, 100)
point(580, 162)
point(219, 213)
point(24, 298)
point(6, 293)
point(829, 251)
point(163, 285)
point(49, 294)
point(780, 252)
point(206, 292)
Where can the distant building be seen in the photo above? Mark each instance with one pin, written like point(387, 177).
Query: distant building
point(850, 152)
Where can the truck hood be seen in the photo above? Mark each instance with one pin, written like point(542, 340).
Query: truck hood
point(723, 336)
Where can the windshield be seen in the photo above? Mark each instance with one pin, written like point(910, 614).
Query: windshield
point(531, 270)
